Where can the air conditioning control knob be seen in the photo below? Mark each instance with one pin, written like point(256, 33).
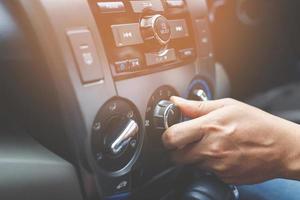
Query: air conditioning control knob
point(165, 115)
point(121, 132)
point(156, 28)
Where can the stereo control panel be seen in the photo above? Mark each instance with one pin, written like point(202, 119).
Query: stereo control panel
point(143, 37)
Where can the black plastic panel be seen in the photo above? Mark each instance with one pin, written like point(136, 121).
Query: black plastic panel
point(29, 171)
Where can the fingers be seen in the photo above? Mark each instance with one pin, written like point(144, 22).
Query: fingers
point(195, 109)
point(189, 155)
point(184, 133)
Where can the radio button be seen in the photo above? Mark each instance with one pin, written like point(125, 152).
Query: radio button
point(157, 58)
point(129, 65)
point(111, 7)
point(186, 53)
point(178, 28)
point(140, 6)
point(121, 66)
point(175, 3)
point(127, 34)
point(134, 64)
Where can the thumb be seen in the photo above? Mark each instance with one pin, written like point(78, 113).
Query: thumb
point(195, 109)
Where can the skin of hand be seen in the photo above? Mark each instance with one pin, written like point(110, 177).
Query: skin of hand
point(239, 143)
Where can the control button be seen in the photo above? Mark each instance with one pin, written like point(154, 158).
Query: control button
point(178, 28)
point(202, 26)
point(117, 186)
point(127, 34)
point(200, 95)
point(140, 6)
point(204, 40)
point(199, 90)
point(128, 65)
point(85, 54)
point(168, 55)
point(166, 114)
point(156, 27)
point(121, 66)
point(121, 185)
point(186, 53)
point(111, 7)
point(175, 3)
point(134, 64)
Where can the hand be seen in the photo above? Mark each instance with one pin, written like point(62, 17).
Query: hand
point(239, 143)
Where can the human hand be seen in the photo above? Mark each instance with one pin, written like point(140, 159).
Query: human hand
point(239, 143)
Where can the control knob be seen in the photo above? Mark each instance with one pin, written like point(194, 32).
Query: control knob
point(200, 95)
point(156, 28)
point(121, 132)
point(165, 115)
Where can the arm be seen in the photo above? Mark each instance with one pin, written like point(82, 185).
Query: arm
point(239, 143)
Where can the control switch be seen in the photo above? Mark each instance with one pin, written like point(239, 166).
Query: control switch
point(166, 114)
point(178, 28)
point(86, 56)
point(127, 34)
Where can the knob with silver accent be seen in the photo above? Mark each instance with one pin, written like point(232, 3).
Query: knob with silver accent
point(200, 95)
point(165, 115)
point(121, 136)
point(156, 28)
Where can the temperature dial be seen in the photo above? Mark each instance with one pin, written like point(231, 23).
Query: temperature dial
point(166, 114)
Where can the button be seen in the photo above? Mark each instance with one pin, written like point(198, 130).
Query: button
point(121, 66)
point(178, 28)
point(202, 26)
point(128, 65)
point(155, 58)
point(111, 7)
point(121, 185)
point(134, 64)
point(186, 53)
point(175, 3)
point(127, 34)
point(140, 6)
point(85, 54)
point(204, 39)
point(117, 185)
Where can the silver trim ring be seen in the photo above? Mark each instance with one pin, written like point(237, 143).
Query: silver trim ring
point(166, 125)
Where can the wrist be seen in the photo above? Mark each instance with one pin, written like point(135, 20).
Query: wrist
point(291, 153)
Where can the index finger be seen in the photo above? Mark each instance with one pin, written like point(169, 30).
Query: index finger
point(179, 135)
point(195, 109)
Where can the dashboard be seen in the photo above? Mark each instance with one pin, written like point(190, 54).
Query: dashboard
point(113, 65)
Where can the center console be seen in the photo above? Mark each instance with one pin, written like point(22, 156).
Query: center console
point(143, 37)
point(115, 64)
point(155, 49)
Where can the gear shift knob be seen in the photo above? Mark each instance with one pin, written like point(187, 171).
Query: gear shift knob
point(208, 187)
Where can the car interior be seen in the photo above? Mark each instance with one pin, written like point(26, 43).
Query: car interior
point(85, 88)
